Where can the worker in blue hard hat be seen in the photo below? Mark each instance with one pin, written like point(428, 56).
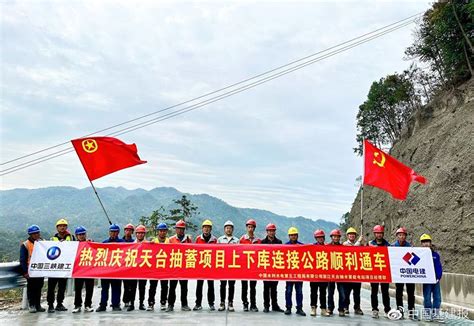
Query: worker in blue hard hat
point(79, 283)
point(34, 285)
point(161, 237)
point(114, 284)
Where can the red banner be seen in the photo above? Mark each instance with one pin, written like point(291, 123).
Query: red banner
point(232, 262)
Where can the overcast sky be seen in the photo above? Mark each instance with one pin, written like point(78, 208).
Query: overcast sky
point(71, 68)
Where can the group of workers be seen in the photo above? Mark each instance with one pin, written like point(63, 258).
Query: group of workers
point(324, 291)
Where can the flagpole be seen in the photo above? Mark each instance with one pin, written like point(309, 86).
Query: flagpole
point(362, 190)
point(100, 201)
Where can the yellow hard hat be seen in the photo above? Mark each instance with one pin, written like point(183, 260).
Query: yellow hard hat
point(425, 237)
point(351, 230)
point(207, 222)
point(292, 230)
point(61, 222)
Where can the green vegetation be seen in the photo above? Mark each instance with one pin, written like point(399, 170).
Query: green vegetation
point(185, 211)
point(444, 44)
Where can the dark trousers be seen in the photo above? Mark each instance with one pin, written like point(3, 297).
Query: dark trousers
point(374, 296)
point(299, 294)
point(129, 290)
point(321, 286)
point(410, 295)
point(152, 291)
point(253, 292)
point(172, 292)
point(210, 292)
point(231, 290)
point(355, 288)
point(141, 290)
point(340, 291)
point(270, 292)
point(116, 286)
point(61, 283)
point(34, 285)
point(78, 285)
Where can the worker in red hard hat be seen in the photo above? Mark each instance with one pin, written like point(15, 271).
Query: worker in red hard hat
point(401, 241)
point(270, 287)
point(250, 238)
point(354, 287)
point(336, 241)
point(320, 238)
point(140, 233)
point(379, 241)
point(179, 237)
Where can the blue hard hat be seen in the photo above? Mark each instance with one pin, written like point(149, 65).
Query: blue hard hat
point(80, 230)
point(33, 229)
point(162, 226)
point(114, 227)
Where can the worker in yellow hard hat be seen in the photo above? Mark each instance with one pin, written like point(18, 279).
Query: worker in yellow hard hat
point(432, 292)
point(205, 237)
point(353, 287)
point(62, 235)
point(293, 240)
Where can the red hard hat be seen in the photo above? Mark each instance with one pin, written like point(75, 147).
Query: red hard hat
point(319, 233)
point(180, 224)
point(401, 230)
point(379, 229)
point(140, 228)
point(335, 232)
point(270, 226)
point(251, 222)
point(129, 226)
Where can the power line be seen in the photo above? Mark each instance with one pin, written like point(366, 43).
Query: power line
point(206, 102)
point(211, 100)
point(216, 91)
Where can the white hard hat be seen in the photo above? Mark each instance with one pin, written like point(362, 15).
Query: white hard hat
point(228, 222)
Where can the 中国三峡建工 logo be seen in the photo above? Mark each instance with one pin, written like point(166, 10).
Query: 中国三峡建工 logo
point(53, 253)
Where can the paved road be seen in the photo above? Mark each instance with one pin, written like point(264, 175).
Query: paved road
point(18, 317)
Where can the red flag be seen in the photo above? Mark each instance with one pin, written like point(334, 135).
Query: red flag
point(104, 155)
point(384, 172)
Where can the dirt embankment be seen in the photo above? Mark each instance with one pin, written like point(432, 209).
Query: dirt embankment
point(438, 142)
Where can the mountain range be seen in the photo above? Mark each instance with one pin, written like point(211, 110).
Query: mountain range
point(44, 206)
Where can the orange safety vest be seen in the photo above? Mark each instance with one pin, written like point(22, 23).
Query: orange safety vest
point(29, 246)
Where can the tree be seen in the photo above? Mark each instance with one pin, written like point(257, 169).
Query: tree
point(344, 224)
point(156, 217)
point(185, 211)
point(444, 41)
point(390, 102)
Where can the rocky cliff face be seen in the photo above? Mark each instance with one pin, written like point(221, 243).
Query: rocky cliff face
point(438, 142)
